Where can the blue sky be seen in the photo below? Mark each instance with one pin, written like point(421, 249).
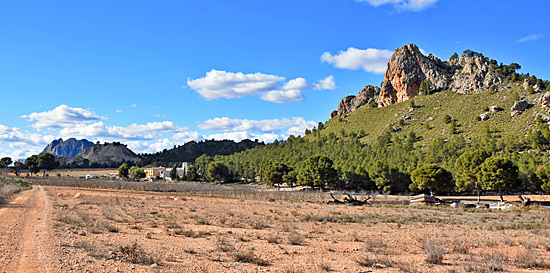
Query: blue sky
point(154, 74)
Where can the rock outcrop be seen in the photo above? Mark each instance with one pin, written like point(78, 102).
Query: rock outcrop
point(495, 109)
point(102, 155)
point(407, 68)
point(68, 148)
point(545, 99)
point(472, 74)
point(368, 95)
point(484, 116)
point(518, 107)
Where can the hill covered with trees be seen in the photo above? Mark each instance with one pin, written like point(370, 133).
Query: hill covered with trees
point(378, 146)
point(193, 149)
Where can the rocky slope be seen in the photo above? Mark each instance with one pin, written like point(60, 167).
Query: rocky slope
point(470, 73)
point(101, 155)
point(368, 95)
point(67, 148)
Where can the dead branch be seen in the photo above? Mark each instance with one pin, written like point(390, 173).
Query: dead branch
point(350, 200)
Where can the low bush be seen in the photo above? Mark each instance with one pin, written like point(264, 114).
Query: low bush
point(134, 254)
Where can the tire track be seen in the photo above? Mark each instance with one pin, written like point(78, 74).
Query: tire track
point(26, 234)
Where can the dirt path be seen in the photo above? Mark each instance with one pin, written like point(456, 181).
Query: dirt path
point(26, 237)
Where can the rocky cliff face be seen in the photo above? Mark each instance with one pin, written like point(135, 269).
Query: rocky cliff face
point(368, 95)
point(408, 67)
point(472, 75)
point(68, 148)
point(102, 155)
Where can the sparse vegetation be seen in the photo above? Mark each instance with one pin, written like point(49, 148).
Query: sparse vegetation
point(133, 253)
point(455, 239)
point(10, 186)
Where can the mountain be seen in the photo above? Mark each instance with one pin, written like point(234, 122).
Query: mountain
point(67, 148)
point(427, 111)
point(408, 68)
point(101, 155)
point(476, 92)
point(192, 150)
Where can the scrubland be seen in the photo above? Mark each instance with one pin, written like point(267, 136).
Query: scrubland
point(106, 230)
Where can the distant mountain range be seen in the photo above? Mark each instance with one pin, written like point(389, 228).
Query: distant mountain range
point(100, 156)
point(67, 148)
point(74, 153)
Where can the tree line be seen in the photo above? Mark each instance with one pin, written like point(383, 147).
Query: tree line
point(391, 164)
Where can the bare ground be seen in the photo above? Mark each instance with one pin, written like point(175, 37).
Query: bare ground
point(26, 233)
point(56, 229)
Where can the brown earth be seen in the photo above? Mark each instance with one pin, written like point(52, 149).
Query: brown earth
point(55, 229)
point(26, 234)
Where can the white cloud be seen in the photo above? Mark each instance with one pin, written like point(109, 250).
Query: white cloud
point(221, 84)
point(266, 125)
point(140, 138)
point(119, 111)
point(296, 84)
point(530, 38)
point(282, 96)
point(186, 136)
point(403, 5)
point(147, 147)
point(14, 136)
point(62, 116)
point(301, 83)
point(326, 84)
point(22, 144)
point(370, 59)
point(100, 131)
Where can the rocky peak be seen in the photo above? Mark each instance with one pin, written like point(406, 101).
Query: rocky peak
point(108, 154)
point(67, 148)
point(472, 74)
point(407, 68)
point(368, 95)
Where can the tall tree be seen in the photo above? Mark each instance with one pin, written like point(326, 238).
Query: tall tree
point(318, 172)
point(123, 170)
point(431, 177)
point(137, 172)
point(543, 174)
point(466, 167)
point(18, 166)
point(5, 162)
point(290, 178)
point(498, 173)
point(174, 172)
point(201, 165)
point(274, 174)
point(47, 162)
point(425, 87)
point(33, 163)
point(217, 171)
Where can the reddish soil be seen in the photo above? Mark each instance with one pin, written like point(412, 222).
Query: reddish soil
point(55, 229)
point(26, 234)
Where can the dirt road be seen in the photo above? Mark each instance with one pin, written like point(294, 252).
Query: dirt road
point(26, 237)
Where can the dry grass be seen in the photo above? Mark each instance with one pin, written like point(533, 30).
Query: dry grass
point(218, 234)
point(248, 256)
point(133, 253)
point(434, 251)
point(295, 239)
point(10, 186)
